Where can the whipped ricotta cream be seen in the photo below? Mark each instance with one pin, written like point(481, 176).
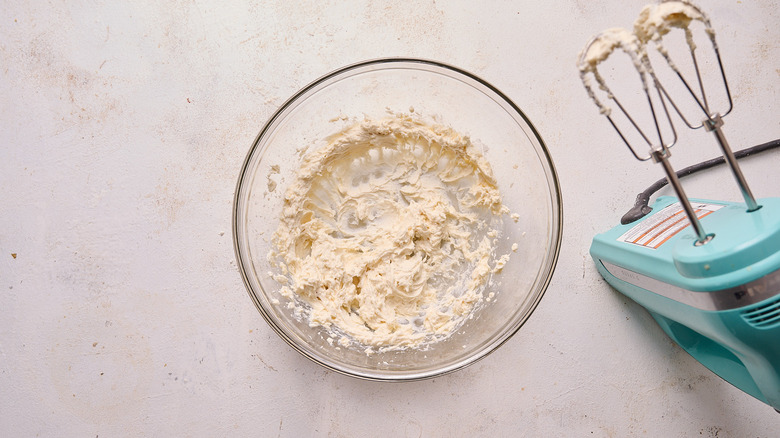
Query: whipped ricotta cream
point(597, 51)
point(657, 20)
point(654, 21)
point(387, 236)
point(604, 44)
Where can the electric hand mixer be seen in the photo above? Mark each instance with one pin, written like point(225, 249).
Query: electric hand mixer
point(716, 293)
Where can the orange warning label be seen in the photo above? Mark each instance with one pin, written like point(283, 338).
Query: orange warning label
point(663, 225)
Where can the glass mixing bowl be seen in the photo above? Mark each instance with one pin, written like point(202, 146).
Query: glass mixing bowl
point(522, 166)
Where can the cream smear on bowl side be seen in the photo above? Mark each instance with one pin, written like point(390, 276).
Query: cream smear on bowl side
point(388, 234)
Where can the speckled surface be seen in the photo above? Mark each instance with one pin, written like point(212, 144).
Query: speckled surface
point(122, 131)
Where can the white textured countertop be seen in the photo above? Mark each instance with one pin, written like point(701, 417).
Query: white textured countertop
point(122, 130)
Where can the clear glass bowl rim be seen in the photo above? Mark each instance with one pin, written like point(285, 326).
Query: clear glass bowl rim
point(367, 65)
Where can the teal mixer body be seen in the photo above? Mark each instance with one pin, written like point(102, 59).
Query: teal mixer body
point(707, 271)
point(720, 301)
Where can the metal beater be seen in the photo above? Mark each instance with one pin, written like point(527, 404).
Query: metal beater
point(651, 28)
point(713, 120)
